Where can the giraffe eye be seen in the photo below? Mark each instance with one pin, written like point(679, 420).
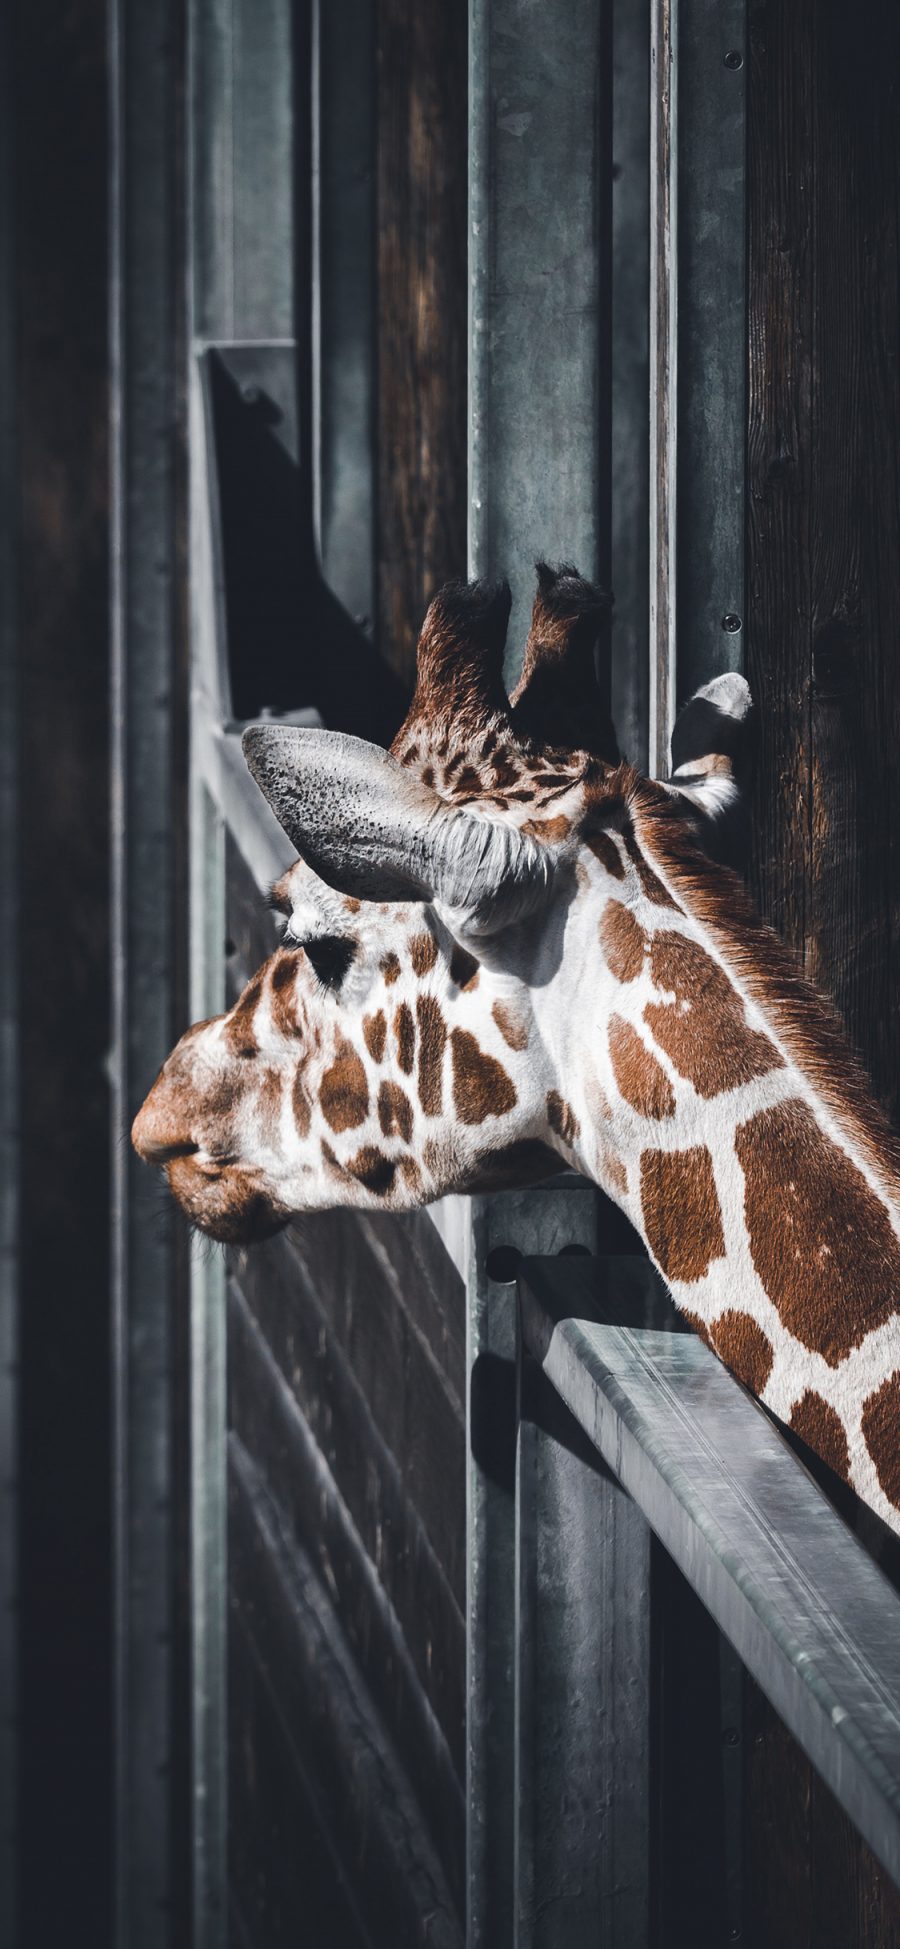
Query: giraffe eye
point(330, 955)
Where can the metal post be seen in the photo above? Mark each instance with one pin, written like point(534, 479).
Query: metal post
point(144, 298)
point(698, 331)
point(583, 1689)
point(241, 286)
point(540, 223)
point(540, 175)
point(503, 1229)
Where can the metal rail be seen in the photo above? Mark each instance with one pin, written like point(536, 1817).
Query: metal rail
point(809, 1613)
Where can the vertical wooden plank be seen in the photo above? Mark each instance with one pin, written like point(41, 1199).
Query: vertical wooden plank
point(146, 702)
point(824, 420)
point(779, 459)
point(421, 218)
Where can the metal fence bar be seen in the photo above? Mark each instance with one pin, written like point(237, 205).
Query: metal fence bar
point(807, 1610)
point(712, 338)
point(241, 285)
point(583, 1712)
point(698, 351)
point(343, 256)
point(502, 1228)
point(144, 300)
point(663, 375)
point(540, 224)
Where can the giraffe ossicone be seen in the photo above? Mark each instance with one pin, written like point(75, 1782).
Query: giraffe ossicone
point(506, 953)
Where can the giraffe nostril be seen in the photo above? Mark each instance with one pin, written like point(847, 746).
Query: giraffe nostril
point(155, 1149)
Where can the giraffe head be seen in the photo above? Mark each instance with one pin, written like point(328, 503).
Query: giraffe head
point(412, 1035)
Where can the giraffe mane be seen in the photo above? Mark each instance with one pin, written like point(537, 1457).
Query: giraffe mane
point(809, 1028)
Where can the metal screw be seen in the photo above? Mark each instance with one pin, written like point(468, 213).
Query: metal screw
point(734, 58)
point(250, 395)
point(731, 1736)
point(731, 624)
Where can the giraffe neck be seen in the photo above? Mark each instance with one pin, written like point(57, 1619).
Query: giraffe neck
point(705, 1088)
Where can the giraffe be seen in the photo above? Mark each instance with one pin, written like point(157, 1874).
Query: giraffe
point(506, 953)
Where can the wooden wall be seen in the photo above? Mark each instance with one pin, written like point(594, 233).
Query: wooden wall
point(422, 306)
point(823, 615)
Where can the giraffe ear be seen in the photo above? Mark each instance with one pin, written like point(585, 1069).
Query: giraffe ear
point(369, 828)
point(711, 752)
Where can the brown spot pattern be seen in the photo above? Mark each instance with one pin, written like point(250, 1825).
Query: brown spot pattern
point(239, 1033)
point(640, 1079)
point(821, 1241)
point(375, 1035)
point(682, 1216)
point(880, 1421)
point(744, 1347)
point(704, 1032)
point(395, 1112)
point(300, 1105)
point(820, 1426)
point(283, 993)
point(623, 941)
point(344, 1094)
point(561, 1118)
point(270, 1102)
point(423, 950)
point(412, 1176)
point(607, 852)
point(481, 1087)
point(371, 1168)
point(464, 969)
point(552, 831)
point(432, 1043)
point(405, 1031)
point(513, 1030)
point(390, 968)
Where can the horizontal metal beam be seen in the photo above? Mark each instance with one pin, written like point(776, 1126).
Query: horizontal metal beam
point(813, 1618)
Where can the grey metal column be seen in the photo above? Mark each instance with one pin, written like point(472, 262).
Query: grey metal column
point(540, 173)
point(343, 258)
point(503, 1229)
point(9, 977)
point(241, 273)
point(698, 355)
point(540, 217)
point(144, 299)
point(583, 1695)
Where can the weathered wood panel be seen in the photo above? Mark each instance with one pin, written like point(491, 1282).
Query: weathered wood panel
point(823, 597)
point(422, 294)
point(346, 1393)
point(336, 1751)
